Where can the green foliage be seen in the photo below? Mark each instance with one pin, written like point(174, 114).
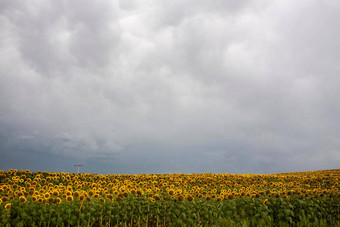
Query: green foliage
point(134, 211)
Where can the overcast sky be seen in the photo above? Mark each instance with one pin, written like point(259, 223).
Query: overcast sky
point(149, 86)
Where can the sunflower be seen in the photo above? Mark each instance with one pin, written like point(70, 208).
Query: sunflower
point(47, 195)
point(230, 196)
point(180, 198)
point(58, 200)
point(22, 199)
point(55, 192)
point(82, 197)
point(171, 192)
point(34, 198)
point(190, 198)
point(265, 202)
point(31, 192)
point(8, 206)
point(156, 197)
point(69, 198)
point(76, 194)
point(109, 196)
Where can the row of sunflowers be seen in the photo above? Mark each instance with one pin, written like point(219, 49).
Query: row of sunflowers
point(68, 199)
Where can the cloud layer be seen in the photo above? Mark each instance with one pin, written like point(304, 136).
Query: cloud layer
point(180, 86)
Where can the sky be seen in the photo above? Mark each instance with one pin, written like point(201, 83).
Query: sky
point(181, 86)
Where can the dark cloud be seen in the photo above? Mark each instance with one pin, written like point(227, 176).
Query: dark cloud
point(193, 86)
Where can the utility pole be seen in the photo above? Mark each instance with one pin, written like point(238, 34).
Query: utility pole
point(78, 165)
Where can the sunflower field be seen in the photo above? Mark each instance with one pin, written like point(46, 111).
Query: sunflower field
point(68, 199)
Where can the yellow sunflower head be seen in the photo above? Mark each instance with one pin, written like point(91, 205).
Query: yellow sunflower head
point(190, 198)
point(8, 206)
point(47, 195)
point(55, 192)
point(69, 198)
point(82, 197)
point(34, 198)
point(58, 200)
point(22, 199)
point(76, 194)
point(265, 202)
point(171, 192)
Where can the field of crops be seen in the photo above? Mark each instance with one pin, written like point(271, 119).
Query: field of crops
point(67, 199)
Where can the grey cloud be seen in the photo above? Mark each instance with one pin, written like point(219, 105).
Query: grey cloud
point(190, 86)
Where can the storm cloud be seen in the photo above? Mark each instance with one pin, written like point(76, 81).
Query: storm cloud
point(136, 86)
